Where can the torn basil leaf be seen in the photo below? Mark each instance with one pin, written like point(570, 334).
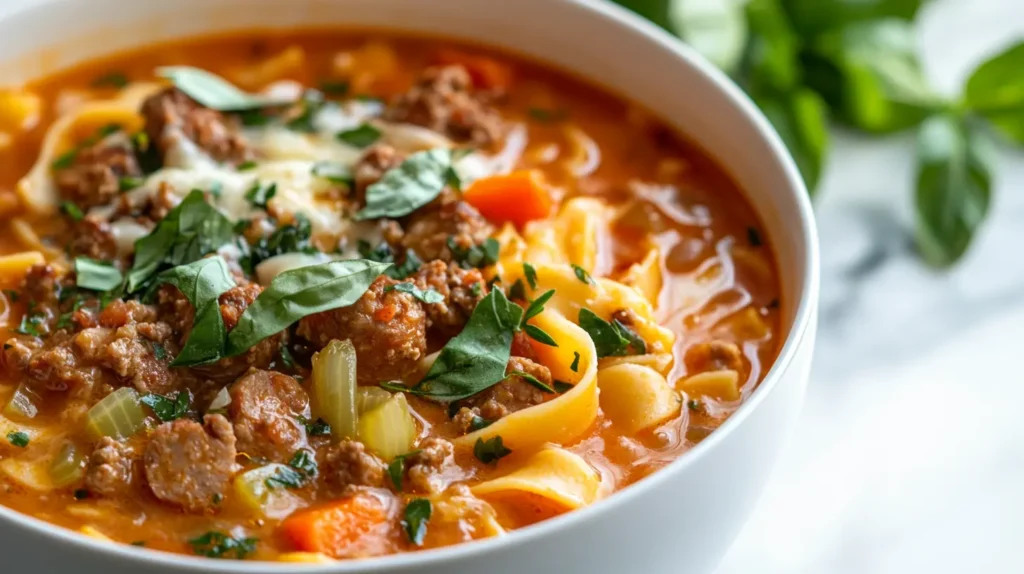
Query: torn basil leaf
point(414, 183)
point(297, 293)
point(167, 408)
point(214, 91)
point(361, 136)
point(428, 296)
point(611, 339)
point(489, 451)
point(417, 513)
point(96, 275)
point(202, 283)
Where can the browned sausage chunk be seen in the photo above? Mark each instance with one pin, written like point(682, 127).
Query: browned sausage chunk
point(443, 100)
point(264, 409)
point(714, 356)
point(461, 288)
point(426, 464)
point(346, 466)
point(95, 177)
point(371, 166)
point(110, 468)
point(93, 238)
point(171, 115)
point(511, 395)
point(429, 229)
point(191, 465)
point(387, 328)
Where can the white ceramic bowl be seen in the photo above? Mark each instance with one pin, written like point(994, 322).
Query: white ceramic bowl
point(681, 519)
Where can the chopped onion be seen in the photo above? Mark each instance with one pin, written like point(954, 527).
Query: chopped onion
point(220, 401)
point(412, 138)
point(369, 398)
point(119, 415)
point(388, 430)
point(334, 387)
point(253, 491)
point(66, 467)
point(126, 232)
point(23, 403)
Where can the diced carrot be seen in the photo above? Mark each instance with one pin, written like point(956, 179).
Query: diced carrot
point(486, 73)
point(517, 197)
point(331, 529)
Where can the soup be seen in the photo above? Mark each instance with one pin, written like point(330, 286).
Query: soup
point(328, 295)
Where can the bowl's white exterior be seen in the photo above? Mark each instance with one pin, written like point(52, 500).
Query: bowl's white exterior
point(680, 520)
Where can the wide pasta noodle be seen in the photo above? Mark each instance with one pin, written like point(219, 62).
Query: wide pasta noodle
point(636, 397)
point(574, 236)
point(37, 189)
point(550, 482)
point(564, 418)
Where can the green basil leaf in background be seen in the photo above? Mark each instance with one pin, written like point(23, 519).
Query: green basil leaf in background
point(187, 233)
point(297, 293)
point(870, 74)
point(715, 28)
point(202, 282)
point(96, 275)
point(475, 359)
point(214, 91)
point(996, 91)
point(770, 62)
point(812, 17)
point(954, 186)
point(801, 119)
point(413, 184)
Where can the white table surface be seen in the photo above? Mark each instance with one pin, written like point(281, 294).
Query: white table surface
point(910, 453)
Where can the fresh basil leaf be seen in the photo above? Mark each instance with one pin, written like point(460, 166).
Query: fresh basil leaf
point(610, 339)
point(488, 451)
point(715, 28)
point(414, 183)
point(530, 272)
point(213, 91)
point(801, 120)
point(812, 17)
point(417, 514)
point(190, 231)
point(96, 275)
point(168, 409)
point(771, 63)
point(954, 187)
point(475, 359)
point(216, 544)
point(871, 74)
point(532, 381)
point(428, 296)
point(996, 91)
point(540, 335)
point(575, 366)
point(361, 136)
point(382, 253)
point(202, 283)
point(297, 293)
point(128, 183)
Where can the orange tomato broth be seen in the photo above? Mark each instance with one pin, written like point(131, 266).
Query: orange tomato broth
point(707, 232)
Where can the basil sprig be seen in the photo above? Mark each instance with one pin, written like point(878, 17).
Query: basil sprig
point(202, 282)
point(190, 231)
point(611, 339)
point(214, 91)
point(805, 62)
point(414, 183)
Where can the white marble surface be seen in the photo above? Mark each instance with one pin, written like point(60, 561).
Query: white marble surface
point(910, 453)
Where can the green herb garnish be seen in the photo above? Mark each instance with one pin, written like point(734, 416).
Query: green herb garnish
point(397, 468)
point(428, 295)
point(96, 275)
point(417, 514)
point(582, 274)
point(166, 408)
point(414, 183)
point(489, 451)
point(19, 439)
point(362, 136)
point(111, 80)
point(610, 339)
point(216, 544)
point(213, 91)
point(260, 194)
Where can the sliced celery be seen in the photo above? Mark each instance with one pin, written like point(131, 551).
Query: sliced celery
point(389, 430)
point(23, 403)
point(334, 387)
point(369, 398)
point(66, 467)
point(119, 415)
point(258, 495)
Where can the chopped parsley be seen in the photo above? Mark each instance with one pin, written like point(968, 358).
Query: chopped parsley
point(382, 253)
point(575, 366)
point(32, 323)
point(260, 194)
point(531, 275)
point(72, 211)
point(489, 451)
point(477, 423)
point(612, 339)
point(397, 468)
point(547, 116)
point(166, 408)
point(428, 295)
point(319, 427)
point(216, 544)
point(111, 80)
point(247, 165)
point(18, 438)
point(532, 380)
point(285, 477)
point(482, 255)
point(562, 387)
point(304, 462)
point(310, 105)
point(535, 308)
point(12, 295)
point(159, 351)
point(693, 404)
point(333, 172)
point(754, 237)
point(291, 238)
point(128, 183)
point(517, 292)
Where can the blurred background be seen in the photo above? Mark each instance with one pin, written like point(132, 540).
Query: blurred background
point(906, 118)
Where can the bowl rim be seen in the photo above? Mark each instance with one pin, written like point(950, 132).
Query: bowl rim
point(803, 321)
